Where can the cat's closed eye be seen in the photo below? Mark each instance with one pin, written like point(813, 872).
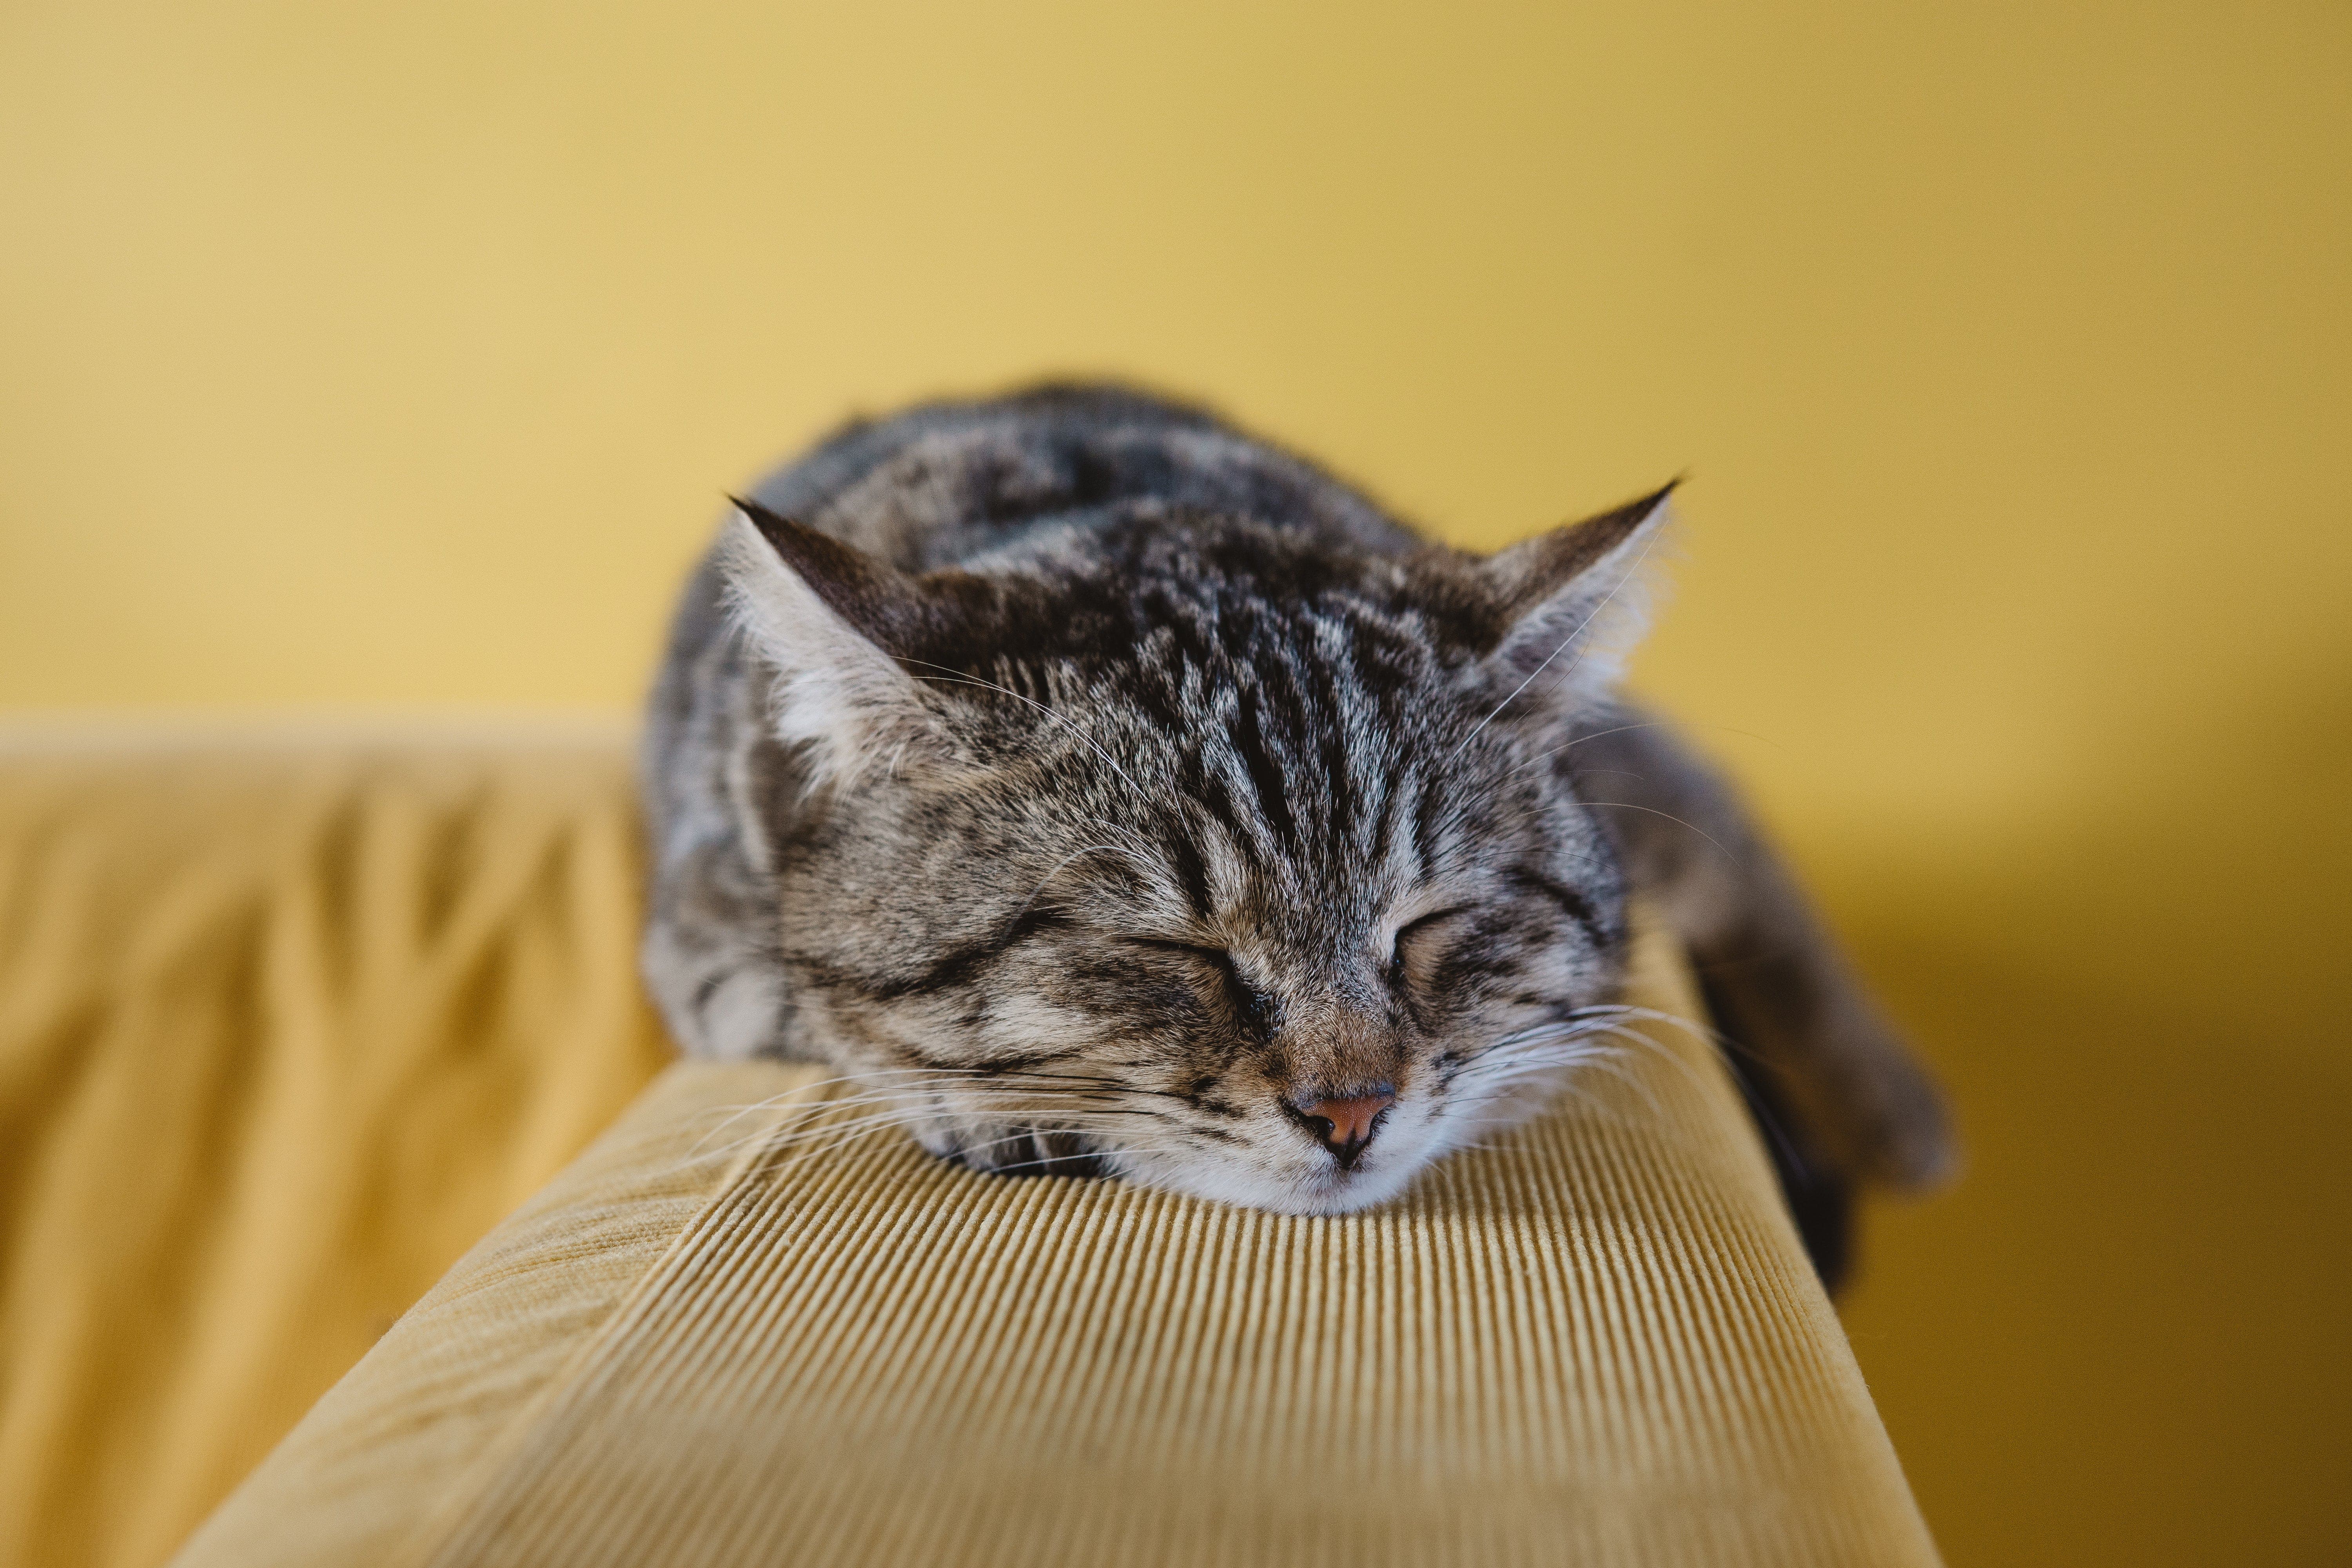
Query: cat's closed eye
point(1251, 1007)
point(1417, 943)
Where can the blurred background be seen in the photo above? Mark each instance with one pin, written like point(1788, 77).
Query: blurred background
point(384, 359)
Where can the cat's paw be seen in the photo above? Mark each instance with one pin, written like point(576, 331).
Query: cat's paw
point(1006, 1150)
point(1898, 1124)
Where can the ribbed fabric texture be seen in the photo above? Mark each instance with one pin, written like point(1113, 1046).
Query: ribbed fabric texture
point(734, 1337)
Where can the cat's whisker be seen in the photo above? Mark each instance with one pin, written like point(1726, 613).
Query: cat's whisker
point(815, 1103)
point(1670, 817)
point(1493, 1124)
point(915, 1077)
point(1616, 1070)
point(1528, 1063)
point(823, 1136)
point(1605, 1060)
point(825, 1123)
point(1627, 730)
point(1549, 1061)
point(1607, 1018)
point(1536, 1055)
point(1535, 1051)
point(1545, 756)
point(856, 1131)
point(1519, 1041)
point(825, 1116)
point(1696, 1029)
point(1658, 1048)
point(1590, 1104)
point(820, 1115)
point(1531, 1090)
point(1516, 1038)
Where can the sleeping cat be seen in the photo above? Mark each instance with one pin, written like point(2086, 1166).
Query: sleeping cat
point(1099, 789)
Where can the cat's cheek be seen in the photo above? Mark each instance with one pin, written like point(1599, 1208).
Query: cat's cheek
point(1028, 1018)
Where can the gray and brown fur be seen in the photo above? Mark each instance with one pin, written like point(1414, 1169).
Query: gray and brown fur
point(1096, 787)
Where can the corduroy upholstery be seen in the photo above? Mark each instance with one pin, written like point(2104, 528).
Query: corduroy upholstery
point(734, 1336)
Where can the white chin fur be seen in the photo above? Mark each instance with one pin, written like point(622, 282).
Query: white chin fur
point(1277, 1179)
point(1314, 1186)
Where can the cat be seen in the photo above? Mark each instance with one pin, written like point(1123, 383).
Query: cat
point(1100, 790)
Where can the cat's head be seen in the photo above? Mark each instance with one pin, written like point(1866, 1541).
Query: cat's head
point(1188, 849)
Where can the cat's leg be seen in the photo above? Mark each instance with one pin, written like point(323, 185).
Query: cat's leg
point(1780, 988)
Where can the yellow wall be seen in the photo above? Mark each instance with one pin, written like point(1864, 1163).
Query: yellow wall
point(396, 355)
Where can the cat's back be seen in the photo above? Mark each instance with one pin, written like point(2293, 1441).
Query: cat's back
point(942, 483)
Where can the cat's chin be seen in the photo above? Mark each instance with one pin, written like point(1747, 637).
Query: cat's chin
point(1306, 1193)
point(1306, 1190)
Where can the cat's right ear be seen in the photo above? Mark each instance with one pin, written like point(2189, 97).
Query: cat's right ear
point(825, 617)
point(1570, 603)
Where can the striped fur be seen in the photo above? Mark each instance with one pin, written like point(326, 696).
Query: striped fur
point(1095, 786)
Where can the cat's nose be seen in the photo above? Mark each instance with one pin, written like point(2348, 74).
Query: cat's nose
point(1343, 1125)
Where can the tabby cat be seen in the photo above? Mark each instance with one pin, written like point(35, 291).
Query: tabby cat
point(1099, 789)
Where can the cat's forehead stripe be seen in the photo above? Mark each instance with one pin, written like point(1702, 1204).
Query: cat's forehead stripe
point(1264, 774)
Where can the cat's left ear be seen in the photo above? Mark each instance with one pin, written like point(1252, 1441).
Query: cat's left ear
point(1571, 603)
point(831, 622)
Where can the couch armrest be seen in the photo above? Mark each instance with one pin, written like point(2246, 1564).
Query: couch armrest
point(1597, 1341)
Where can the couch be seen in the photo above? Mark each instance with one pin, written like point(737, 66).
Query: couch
point(355, 1215)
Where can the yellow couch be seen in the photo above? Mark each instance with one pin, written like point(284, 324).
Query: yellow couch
point(286, 1025)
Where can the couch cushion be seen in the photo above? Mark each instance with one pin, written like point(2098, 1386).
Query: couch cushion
point(288, 1020)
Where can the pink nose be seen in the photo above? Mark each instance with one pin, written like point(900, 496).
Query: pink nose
point(1344, 1126)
